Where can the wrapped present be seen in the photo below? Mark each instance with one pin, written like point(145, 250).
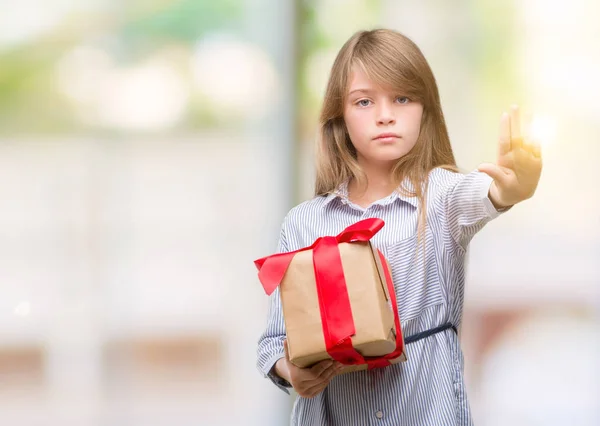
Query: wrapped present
point(338, 300)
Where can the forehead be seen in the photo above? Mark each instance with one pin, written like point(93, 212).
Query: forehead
point(359, 80)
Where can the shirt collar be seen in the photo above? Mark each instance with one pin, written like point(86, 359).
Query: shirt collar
point(342, 193)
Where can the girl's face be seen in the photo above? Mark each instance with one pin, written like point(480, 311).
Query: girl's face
point(383, 125)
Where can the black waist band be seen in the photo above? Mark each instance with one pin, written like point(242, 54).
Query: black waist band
point(424, 334)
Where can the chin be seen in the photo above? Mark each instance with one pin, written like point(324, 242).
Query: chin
point(389, 156)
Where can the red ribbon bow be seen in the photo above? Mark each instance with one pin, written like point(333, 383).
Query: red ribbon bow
point(334, 303)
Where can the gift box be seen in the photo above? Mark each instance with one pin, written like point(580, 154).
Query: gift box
point(338, 300)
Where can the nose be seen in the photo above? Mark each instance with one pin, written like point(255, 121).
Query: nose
point(385, 115)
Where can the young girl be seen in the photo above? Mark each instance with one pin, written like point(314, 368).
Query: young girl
point(384, 152)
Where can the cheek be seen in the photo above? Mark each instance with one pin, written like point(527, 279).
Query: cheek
point(415, 122)
point(354, 124)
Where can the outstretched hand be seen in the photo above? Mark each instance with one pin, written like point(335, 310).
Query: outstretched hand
point(519, 165)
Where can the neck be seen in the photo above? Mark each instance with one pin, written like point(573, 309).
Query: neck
point(380, 184)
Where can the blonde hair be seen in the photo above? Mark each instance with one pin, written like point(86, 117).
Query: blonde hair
point(389, 59)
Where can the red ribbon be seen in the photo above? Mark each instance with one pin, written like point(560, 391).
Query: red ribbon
point(334, 302)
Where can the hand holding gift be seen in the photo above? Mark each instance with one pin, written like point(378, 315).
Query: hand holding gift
point(310, 381)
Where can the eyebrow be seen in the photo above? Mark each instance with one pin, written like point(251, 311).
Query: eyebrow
point(361, 90)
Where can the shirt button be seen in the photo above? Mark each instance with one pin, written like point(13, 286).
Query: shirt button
point(379, 415)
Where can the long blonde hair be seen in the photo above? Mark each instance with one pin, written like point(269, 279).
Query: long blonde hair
point(389, 59)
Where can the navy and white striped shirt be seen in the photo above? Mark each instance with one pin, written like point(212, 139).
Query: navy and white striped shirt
point(429, 388)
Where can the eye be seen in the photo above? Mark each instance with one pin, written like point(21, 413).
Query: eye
point(363, 102)
point(403, 99)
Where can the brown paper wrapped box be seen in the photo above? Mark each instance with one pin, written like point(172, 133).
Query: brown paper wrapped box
point(369, 299)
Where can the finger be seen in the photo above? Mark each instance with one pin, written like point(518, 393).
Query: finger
point(535, 147)
point(515, 122)
point(516, 136)
point(493, 171)
point(504, 141)
point(318, 387)
point(285, 350)
point(314, 390)
point(325, 376)
point(309, 382)
point(532, 140)
point(319, 369)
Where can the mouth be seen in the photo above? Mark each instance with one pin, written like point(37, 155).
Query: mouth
point(386, 137)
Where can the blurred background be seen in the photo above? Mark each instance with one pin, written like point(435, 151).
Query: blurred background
point(149, 151)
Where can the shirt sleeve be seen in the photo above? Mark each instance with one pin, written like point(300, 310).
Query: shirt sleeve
point(467, 206)
point(270, 344)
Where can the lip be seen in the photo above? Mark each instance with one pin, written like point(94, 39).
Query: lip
point(384, 136)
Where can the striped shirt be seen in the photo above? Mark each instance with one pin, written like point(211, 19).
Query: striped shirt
point(429, 388)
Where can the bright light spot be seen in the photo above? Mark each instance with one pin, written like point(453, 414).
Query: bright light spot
point(236, 77)
point(149, 96)
point(23, 309)
point(152, 96)
point(543, 130)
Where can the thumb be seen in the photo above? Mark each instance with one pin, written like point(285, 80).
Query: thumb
point(285, 350)
point(492, 171)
